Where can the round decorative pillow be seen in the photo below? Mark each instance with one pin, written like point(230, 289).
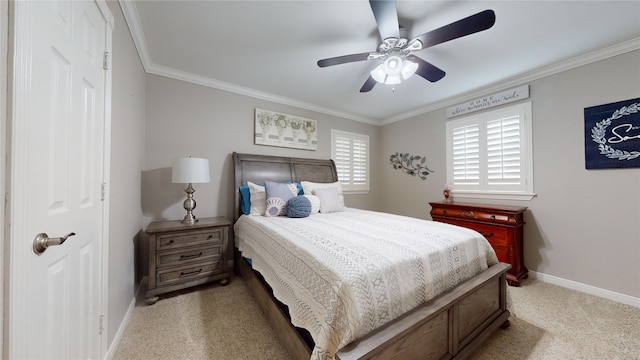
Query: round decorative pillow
point(298, 207)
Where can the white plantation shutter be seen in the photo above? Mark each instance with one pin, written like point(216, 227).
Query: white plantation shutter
point(342, 158)
point(350, 152)
point(466, 154)
point(503, 151)
point(490, 153)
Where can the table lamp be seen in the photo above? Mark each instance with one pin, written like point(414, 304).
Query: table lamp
point(190, 171)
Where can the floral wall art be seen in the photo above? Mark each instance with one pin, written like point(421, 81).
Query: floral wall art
point(413, 165)
point(277, 129)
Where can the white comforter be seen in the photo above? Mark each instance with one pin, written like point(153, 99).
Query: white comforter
point(345, 274)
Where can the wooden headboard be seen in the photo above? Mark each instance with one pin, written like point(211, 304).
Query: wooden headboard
point(261, 168)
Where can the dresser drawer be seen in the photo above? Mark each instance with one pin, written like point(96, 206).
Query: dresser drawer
point(502, 254)
point(170, 277)
point(187, 256)
point(181, 239)
point(496, 235)
point(479, 215)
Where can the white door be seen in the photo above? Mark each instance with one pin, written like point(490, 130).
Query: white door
point(57, 171)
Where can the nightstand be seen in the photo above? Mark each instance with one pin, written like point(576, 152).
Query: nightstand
point(181, 256)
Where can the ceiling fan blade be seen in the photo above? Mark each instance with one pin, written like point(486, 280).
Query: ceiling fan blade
point(368, 85)
point(427, 70)
point(343, 59)
point(467, 26)
point(386, 17)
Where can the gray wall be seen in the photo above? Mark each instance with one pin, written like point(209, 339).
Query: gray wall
point(127, 153)
point(584, 225)
point(185, 119)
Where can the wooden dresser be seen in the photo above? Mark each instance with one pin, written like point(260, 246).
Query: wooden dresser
point(182, 256)
point(502, 226)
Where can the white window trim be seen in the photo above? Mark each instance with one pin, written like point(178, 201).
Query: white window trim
point(526, 146)
point(346, 187)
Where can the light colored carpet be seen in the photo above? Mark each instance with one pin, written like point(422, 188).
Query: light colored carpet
point(216, 322)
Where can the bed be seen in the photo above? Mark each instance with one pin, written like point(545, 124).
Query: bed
point(450, 325)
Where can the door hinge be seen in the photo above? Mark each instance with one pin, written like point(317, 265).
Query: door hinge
point(103, 190)
point(101, 329)
point(105, 61)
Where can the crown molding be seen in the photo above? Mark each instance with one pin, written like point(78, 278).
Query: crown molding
point(233, 88)
point(133, 21)
point(135, 26)
point(605, 53)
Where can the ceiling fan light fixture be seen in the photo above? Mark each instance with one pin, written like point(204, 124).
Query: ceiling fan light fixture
point(380, 75)
point(408, 68)
point(393, 70)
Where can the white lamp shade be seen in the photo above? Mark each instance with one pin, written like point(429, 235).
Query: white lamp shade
point(190, 170)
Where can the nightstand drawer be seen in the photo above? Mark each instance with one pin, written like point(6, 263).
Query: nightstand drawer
point(169, 277)
point(191, 238)
point(187, 256)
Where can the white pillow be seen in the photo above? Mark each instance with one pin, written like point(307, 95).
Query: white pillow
point(315, 203)
point(308, 187)
point(329, 201)
point(258, 199)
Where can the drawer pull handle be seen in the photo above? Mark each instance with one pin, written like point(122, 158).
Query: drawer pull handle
point(492, 217)
point(188, 273)
point(468, 214)
point(486, 235)
point(209, 237)
point(170, 242)
point(444, 212)
point(192, 256)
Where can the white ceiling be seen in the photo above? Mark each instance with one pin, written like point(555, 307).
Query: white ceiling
point(269, 49)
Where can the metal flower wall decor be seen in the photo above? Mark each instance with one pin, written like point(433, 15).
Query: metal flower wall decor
point(405, 163)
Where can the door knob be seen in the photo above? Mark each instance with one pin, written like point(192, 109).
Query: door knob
point(43, 241)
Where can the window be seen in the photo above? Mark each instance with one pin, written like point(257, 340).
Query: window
point(350, 152)
point(489, 155)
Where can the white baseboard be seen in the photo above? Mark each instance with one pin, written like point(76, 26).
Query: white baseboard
point(592, 290)
point(113, 347)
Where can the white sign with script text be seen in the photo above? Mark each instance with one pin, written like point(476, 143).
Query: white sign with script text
point(486, 102)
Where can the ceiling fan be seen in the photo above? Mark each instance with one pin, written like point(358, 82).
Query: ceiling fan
point(397, 47)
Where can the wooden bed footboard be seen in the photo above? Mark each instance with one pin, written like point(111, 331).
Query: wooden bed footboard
point(450, 326)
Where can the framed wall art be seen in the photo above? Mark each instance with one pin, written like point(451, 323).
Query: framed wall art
point(277, 129)
point(612, 135)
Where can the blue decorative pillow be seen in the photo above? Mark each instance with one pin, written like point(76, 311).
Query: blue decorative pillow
point(277, 196)
point(245, 195)
point(298, 207)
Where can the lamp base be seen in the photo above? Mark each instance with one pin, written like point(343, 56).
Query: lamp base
point(189, 204)
point(189, 220)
